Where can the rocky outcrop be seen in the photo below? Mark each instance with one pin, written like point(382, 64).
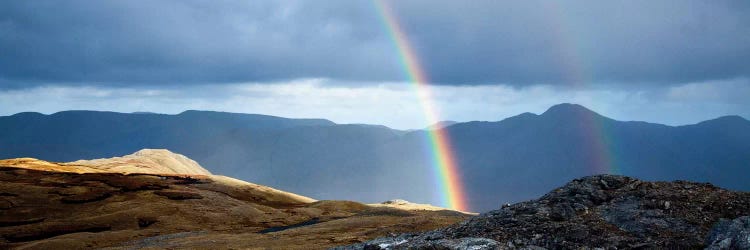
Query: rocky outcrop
point(406, 205)
point(396, 202)
point(145, 161)
point(604, 211)
point(148, 161)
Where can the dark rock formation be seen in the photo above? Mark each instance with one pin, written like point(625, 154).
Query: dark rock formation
point(604, 211)
point(730, 234)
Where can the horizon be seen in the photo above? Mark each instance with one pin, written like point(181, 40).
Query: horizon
point(392, 105)
point(374, 124)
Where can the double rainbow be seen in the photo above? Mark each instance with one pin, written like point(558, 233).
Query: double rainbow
point(450, 188)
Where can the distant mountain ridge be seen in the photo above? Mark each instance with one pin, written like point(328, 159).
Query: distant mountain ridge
point(514, 159)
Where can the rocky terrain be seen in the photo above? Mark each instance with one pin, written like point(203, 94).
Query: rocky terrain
point(157, 199)
point(600, 212)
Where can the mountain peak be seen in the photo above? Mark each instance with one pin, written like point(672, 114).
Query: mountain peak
point(731, 118)
point(567, 108)
point(28, 114)
point(728, 119)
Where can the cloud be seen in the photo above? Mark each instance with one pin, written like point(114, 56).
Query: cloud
point(735, 91)
point(391, 104)
point(177, 43)
point(163, 42)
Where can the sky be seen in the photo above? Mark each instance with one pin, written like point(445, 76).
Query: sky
point(672, 62)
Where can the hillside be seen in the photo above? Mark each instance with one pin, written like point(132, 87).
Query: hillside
point(505, 161)
point(48, 205)
point(125, 203)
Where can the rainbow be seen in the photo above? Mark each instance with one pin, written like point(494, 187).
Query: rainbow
point(449, 183)
point(570, 49)
point(600, 145)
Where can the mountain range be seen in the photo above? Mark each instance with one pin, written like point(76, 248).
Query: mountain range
point(505, 161)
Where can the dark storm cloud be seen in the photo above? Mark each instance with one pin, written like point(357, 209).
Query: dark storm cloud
point(600, 41)
point(476, 42)
point(123, 42)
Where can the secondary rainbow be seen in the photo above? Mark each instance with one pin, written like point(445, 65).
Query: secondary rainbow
point(571, 54)
point(444, 162)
